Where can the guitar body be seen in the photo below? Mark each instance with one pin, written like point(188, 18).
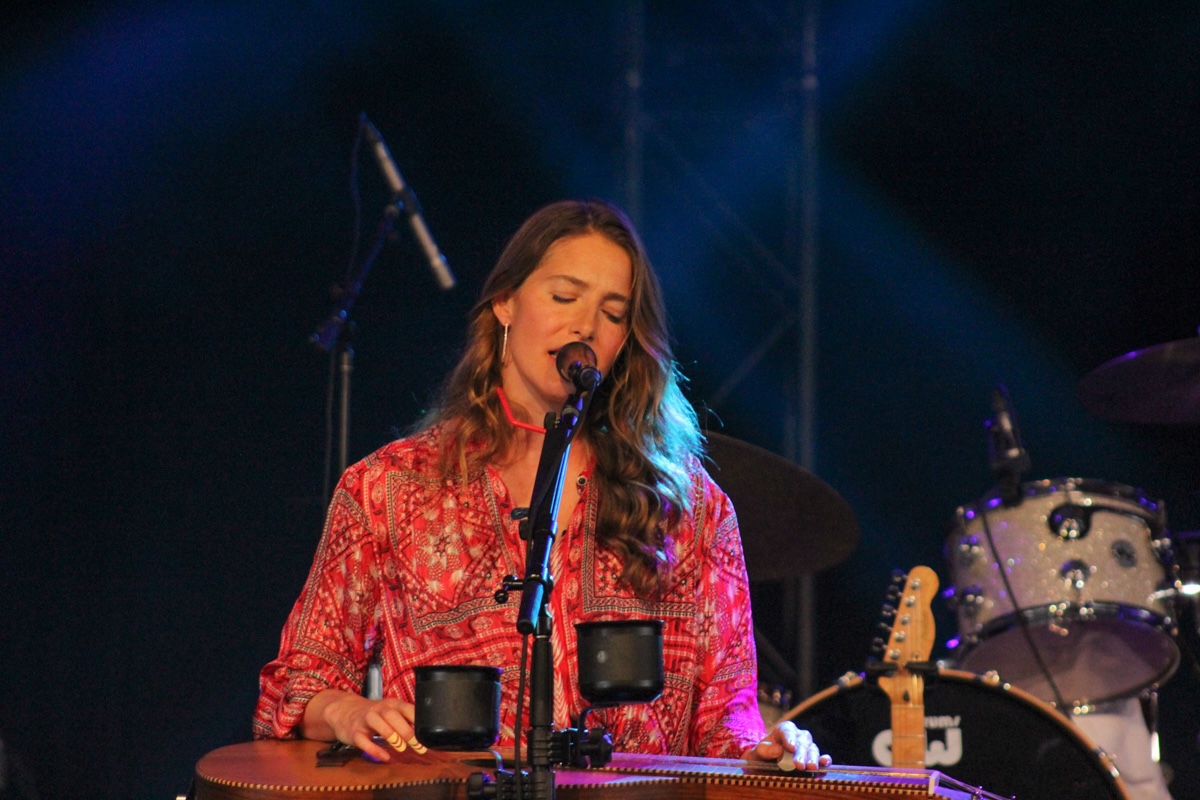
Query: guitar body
point(287, 770)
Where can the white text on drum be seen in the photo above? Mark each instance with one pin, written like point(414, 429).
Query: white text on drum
point(946, 753)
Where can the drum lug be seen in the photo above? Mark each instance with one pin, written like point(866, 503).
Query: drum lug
point(1070, 521)
point(1075, 574)
point(968, 551)
point(1164, 550)
point(972, 600)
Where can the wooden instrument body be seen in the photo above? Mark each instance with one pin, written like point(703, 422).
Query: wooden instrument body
point(287, 770)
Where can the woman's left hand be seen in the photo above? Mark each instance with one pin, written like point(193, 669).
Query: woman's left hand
point(792, 747)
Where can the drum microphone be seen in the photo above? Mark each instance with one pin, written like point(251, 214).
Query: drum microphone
point(1006, 456)
point(408, 202)
point(577, 365)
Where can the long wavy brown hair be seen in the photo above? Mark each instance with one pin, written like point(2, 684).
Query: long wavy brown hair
point(640, 427)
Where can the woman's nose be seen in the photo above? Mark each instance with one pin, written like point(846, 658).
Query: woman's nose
point(584, 327)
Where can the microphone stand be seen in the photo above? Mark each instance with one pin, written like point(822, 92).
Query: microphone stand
point(333, 335)
point(534, 616)
point(1007, 458)
point(539, 527)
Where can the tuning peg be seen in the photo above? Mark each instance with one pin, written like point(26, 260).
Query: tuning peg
point(888, 611)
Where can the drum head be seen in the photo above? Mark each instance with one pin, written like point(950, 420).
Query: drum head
point(1090, 661)
point(1002, 740)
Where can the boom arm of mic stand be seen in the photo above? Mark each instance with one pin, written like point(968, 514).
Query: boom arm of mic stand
point(328, 332)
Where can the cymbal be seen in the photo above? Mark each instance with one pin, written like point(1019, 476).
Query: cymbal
point(1158, 384)
point(792, 522)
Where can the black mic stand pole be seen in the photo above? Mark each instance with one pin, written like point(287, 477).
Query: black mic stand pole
point(534, 616)
point(334, 334)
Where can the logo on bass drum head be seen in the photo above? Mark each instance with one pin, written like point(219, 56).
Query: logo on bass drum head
point(945, 750)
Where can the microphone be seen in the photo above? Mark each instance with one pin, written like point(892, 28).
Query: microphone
point(577, 364)
point(412, 207)
point(1006, 456)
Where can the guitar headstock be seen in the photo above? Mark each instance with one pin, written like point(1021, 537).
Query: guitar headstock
point(904, 660)
point(908, 619)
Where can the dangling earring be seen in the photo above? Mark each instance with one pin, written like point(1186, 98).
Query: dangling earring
point(504, 346)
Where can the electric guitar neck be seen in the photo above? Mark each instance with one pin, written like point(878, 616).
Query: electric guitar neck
point(903, 661)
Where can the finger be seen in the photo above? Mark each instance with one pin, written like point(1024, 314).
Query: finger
point(389, 722)
point(769, 749)
point(403, 734)
point(787, 762)
point(803, 751)
point(363, 741)
point(807, 755)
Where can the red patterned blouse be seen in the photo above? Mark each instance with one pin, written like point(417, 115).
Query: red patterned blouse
point(407, 568)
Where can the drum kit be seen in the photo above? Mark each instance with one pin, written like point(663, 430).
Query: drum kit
point(1067, 595)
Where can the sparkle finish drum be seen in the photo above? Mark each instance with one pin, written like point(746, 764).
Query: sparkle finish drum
point(1082, 570)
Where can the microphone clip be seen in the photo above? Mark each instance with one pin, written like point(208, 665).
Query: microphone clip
point(1007, 457)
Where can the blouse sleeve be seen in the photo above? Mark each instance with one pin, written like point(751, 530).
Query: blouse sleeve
point(326, 639)
point(727, 720)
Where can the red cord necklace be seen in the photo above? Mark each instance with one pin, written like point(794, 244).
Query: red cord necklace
point(508, 413)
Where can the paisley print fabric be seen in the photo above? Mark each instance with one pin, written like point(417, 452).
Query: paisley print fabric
point(406, 572)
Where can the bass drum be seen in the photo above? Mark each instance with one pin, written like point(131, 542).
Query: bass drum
point(978, 731)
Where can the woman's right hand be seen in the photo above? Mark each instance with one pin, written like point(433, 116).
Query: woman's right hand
point(377, 727)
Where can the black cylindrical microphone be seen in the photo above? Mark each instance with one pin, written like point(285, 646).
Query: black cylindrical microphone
point(577, 364)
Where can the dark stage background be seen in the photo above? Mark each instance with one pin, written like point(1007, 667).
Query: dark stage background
point(1008, 192)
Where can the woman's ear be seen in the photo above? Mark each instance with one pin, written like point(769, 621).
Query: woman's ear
point(502, 308)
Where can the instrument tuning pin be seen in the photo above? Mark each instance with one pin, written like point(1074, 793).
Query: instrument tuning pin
point(877, 645)
point(899, 576)
point(888, 611)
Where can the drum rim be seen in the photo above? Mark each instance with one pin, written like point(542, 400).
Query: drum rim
point(1074, 612)
point(1152, 509)
point(1040, 614)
